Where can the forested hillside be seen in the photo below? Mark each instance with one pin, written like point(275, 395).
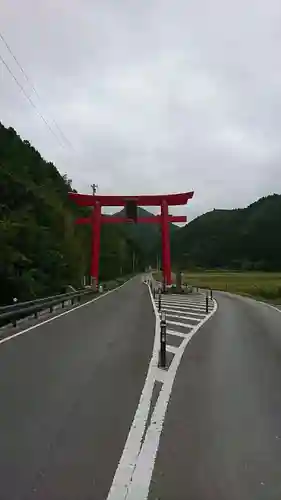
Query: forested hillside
point(147, 236)
point(41, 250)
point(246, 238)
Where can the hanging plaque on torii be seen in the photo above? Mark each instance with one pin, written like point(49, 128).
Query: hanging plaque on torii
point(131, 203)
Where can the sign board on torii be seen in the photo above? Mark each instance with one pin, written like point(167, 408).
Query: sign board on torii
point(97, 218)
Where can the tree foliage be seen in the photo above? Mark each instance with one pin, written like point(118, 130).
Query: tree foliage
point(41, 249)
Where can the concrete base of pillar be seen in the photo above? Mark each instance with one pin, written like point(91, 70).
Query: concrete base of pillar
point(94, 283)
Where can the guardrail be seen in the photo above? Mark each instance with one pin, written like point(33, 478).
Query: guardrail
point(21, 305)
point(14, 312)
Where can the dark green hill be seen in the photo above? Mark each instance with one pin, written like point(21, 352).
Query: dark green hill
point(246, 238)
point(41, 251)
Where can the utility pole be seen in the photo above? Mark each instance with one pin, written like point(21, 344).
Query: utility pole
point(94, 279)
point(94, 188)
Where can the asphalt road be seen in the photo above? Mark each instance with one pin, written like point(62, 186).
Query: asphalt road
point(222, 433)
point(68, 394)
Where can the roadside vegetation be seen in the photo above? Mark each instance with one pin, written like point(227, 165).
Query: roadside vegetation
point(260, 285)
point(42, 251)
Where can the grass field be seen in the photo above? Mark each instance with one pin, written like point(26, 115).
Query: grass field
point(260, 285)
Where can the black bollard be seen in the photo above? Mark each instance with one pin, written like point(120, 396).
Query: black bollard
point(159, 302)
point(163, 335)
point(211, 295)
point(207, 303)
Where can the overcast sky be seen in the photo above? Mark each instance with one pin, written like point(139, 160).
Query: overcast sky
point(154, 95)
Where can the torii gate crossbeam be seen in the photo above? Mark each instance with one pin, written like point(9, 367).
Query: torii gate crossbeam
point(97, 218)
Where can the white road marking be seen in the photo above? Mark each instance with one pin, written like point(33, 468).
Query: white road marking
point(18, 334)
point(168, 315)
point(172, 348)
point(269, 305)
point(160, 375)
point(168, 310)
point(178, 323)
point(252, 300)
point(177, 334)
point(184, 299)
point(185, 302)
point(185, 306)
point(139, 486)
point(128, 460)
point(133, 475)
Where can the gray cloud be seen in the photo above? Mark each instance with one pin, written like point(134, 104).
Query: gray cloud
point(154, 96)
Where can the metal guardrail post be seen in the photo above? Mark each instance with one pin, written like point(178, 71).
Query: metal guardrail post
point(163, 341)
point(207, 303)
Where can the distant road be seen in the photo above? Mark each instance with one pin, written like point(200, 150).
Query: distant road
point(222, 433)
point(68, 394)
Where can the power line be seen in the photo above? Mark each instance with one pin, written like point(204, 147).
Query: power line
point(28, 97)
point(33, 89)
point(19, 65)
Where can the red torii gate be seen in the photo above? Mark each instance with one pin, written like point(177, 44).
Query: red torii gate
point(97, 218)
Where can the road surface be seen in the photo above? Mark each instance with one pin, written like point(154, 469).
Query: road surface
point(206, 428)
point(68, 394)
point(222, 433)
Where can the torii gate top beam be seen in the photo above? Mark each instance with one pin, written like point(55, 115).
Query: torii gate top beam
point(87, 200)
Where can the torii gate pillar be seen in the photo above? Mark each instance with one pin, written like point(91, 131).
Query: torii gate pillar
point(95, 250)
point(166, 251)
point(96, 219)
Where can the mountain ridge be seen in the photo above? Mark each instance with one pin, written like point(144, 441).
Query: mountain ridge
point(242, 238)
